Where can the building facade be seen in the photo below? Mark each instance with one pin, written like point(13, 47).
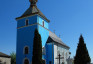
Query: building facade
point(33, 19)
point(5, 59)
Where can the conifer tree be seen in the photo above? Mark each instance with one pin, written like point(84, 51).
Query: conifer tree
point(82, 55)
point(37, 49)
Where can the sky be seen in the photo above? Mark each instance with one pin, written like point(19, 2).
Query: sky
point(69, 18)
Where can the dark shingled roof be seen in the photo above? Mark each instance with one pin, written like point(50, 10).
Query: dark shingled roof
point(4, 55)
point(54, 38)
point(32, 10)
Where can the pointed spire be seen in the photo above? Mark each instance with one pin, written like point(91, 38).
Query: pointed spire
point(33, 2)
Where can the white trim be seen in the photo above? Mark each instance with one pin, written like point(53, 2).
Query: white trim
point(26, 26)
point(32, 25)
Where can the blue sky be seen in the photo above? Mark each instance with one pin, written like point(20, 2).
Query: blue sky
point(69, 18)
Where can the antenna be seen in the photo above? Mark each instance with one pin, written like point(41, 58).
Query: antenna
point(59, 35)
point(54, 31)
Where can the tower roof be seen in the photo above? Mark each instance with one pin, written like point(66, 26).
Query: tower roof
point(33, 10)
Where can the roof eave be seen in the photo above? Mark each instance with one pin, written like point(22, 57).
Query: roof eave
point(32, 15)
point(6, 56)
point(25, 16)
point(44, 18)
point(61, 44)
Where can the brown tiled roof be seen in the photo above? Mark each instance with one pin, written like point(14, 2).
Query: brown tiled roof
point(4, 55)
point(32, 10)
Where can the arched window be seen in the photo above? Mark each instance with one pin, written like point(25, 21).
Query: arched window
point(26, 50)
point(26, 61)
point(27, 22)
point(43, 23)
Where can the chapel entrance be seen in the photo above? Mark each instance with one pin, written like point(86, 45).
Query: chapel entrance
point(26, 61)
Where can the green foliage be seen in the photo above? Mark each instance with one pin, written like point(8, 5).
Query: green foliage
point(37, 49)
point(82, 55)
point(13, 58)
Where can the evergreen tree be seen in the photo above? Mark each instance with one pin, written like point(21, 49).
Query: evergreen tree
point(37, 49)
point(82, 55)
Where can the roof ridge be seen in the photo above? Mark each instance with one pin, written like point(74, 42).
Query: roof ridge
point(55, 38)
point(55, 35)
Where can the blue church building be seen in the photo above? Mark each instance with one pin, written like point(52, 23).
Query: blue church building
point(53, 46)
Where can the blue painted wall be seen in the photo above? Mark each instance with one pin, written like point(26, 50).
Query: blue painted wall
point(32, 20)
point(25, 35)
point(49, 53)
point(25, 38)
point(40, 21)
point(43, 30)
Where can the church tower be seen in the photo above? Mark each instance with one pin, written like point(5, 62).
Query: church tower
point(31, 19)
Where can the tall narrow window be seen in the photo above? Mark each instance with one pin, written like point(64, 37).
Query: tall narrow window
point(26, 50)
point(27, 22)
point(43, 23)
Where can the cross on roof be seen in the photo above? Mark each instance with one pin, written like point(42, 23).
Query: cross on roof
point(59, 35)
point(54, 31)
